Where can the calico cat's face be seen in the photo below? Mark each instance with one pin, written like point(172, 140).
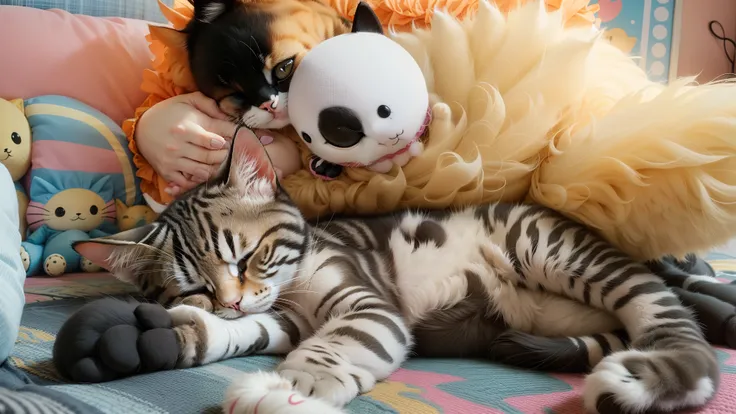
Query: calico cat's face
point(243, 54)
point(236, 237)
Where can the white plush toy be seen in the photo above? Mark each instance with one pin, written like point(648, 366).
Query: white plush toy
point(359, 100)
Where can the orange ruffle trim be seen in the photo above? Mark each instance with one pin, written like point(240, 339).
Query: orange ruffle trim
point(169, 75)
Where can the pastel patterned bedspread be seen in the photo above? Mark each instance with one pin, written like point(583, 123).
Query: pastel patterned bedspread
point(422, 386)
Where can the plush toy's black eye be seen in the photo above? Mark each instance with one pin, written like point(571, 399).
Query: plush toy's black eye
point(306, 138)
point(93, 210)
point(384, 111)
point(59, 211)
point(15, 137)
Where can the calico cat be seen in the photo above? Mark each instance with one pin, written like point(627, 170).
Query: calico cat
point(243, 53)
point(348, 299)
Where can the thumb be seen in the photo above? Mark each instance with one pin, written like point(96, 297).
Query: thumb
point(206, 105)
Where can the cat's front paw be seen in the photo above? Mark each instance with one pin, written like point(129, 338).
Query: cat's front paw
point(55, 265)
point(268, 392)
point(317, 369)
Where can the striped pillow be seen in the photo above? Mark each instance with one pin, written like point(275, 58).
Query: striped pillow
point(76, 146)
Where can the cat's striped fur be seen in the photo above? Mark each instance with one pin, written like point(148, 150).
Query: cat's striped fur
point(348, 299)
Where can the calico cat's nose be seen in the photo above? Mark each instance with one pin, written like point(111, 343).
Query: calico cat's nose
point(271, 104)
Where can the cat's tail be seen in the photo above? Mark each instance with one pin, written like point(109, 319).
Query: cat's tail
point(560, 354)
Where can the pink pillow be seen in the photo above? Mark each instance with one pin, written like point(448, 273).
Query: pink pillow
point(98, 61)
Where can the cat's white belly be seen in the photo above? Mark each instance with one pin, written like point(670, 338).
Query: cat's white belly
point(431, 277)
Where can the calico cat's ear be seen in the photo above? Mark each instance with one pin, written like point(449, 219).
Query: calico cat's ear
point(100, 250)
point(171, 38)
point(365, 20)
point(207, 11)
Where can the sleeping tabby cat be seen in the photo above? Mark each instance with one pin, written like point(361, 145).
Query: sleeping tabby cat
point(243, 53)
point(347, 299)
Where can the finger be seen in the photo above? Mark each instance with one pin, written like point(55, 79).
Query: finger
point(206, 105)
point(177, 178)
point(206, 139)
point(204, 156)
point(222, 128)
point(200, 172)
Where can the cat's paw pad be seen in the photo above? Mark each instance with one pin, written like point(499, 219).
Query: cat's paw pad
point(318, 371)
point(25, 258)
point(324, 170)
point(89, 267)
point(55, 265)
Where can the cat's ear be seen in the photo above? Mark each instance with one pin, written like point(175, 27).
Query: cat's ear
point(248, 166)
point(113, 252)
point(171, 38)
point(365, 20)
point(207, 11)
point(19, 104)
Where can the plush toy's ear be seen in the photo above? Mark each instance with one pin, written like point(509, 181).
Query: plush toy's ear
point(120, 207)
point(207, 11)
point(365, 20)
point(19, 104)
point(100, 250)
point(247, 164)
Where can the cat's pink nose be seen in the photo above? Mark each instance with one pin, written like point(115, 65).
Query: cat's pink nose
point(233, 305)
point(271, 105)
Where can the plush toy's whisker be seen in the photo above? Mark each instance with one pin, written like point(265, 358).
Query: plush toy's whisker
point(36, 222)
point(38, 214)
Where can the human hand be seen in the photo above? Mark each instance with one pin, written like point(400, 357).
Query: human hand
point(184, 138)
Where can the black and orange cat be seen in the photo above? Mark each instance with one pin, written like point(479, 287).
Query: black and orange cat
point(242, 53)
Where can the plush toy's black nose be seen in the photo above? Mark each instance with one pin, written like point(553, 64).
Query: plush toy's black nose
point(7, 150)
point(340, 126)
point(79, 214)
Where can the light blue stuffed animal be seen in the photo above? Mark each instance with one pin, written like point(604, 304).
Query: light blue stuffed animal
point(62, 217)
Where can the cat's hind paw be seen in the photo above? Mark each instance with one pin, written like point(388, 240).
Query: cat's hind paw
point(268, 392)
point(639, 381)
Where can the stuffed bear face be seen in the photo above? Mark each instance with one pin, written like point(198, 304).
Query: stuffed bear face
point(15, 138)
point(358, 97)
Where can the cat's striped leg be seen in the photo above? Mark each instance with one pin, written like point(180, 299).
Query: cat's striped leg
point(670, 365)
point(354, 347)
point(204, 338)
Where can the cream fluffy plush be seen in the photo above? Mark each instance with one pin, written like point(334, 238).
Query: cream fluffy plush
point(563, 118)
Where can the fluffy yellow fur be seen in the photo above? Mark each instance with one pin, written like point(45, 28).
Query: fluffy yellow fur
point(526, 109)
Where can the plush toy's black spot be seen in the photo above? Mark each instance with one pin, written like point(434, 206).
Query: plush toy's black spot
point(93, 210)
point(306, 138)
point(340, 126)
point(118, 349)
point(151, 316)
point(323, 168)
point(59, 212)
point(16, 138)
point(384, 111)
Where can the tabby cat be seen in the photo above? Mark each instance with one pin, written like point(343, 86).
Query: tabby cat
point(347, 299)
point(243, 53)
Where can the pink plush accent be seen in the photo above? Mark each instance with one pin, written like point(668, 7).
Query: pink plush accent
point(99, 61)
point(54, 155)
